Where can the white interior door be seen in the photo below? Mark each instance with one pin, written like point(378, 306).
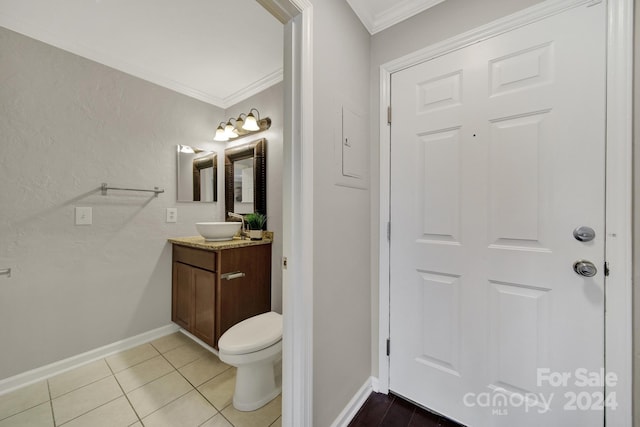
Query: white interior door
point(497, 155)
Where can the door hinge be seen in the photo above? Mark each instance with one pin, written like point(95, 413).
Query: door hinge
point(389, 231)
point(388, 346)
point(606, 268)
point(389, 115)
point(285, 263)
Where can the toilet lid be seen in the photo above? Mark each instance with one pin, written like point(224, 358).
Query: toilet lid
point(252, 334)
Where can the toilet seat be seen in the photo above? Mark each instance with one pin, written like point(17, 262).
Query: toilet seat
point(253, 334)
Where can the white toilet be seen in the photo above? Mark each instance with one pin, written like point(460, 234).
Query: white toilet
point(254, 347)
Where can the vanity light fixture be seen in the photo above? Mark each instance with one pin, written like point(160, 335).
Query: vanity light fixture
point(240, 120)
point(245, 124)
point(221, 135)
point(250, 123)
point(230, 130)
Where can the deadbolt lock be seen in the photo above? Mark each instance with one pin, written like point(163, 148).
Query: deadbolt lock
point(584, 234)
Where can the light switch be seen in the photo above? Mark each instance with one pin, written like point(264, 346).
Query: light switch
point(84, 216)
point(172, 214)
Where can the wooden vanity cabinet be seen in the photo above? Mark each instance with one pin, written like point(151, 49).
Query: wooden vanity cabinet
point(213, 290)
point(193, 300)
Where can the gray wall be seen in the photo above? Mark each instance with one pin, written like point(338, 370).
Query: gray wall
point(68, 124)
point(269, 103)
point(342, 289)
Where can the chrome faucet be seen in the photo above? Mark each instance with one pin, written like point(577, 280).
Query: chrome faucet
point(241, 218)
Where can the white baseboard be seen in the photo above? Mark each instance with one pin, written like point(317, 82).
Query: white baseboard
point(47, 371)
point(354, 405)
point(375, 384)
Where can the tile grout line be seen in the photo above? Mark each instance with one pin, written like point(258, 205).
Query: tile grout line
point(165, 405)
point(148, 382)
point(123, 393)
point(51, 398)
point(196, 388)
point(276, 420)
point(99, 406)
point(208, 419)
point(135, 364)
point(77, 388)
point(53, 414)
point(170, 402)
point(91, 410)
point(218, 411)
point(222, 415)
point(22, 411)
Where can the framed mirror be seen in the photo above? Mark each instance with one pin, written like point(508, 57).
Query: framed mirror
point(197, 175)
point(245, 178)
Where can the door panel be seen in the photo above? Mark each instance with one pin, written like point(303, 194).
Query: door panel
point(204, 285)
point(497, 155)
point(182, 304)
point(233, 303)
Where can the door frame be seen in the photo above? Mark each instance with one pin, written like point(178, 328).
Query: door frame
point(297, 191)
point(618, 244)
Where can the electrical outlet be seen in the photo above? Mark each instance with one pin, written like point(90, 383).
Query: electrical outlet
point(172, 214)
point(84, 216)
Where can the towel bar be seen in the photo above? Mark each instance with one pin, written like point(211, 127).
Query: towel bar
point(105, 187)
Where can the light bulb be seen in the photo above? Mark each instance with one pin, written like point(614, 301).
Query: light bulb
point(240, 121)
point(220, 134)
point(250, 124)
point(230, 130)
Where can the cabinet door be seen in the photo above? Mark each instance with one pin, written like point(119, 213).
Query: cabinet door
point(243, 297)
point(204, 304)
point(182, 296)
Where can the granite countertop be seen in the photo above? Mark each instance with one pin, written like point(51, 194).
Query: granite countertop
point(199, 242)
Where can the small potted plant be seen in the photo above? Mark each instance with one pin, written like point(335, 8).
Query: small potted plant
point(255, 223)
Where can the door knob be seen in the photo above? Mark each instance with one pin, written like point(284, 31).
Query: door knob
point(585, 268)
point(584, 234)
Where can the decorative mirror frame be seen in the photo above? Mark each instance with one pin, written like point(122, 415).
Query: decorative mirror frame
point(258, 151)
point(204, 163)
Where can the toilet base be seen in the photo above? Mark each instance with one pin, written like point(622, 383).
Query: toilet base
point(255, 386)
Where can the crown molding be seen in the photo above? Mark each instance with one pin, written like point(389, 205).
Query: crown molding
point(363, 12)
point(399, 13)
point(283, 11)
point(378, 21)
point(254, 88)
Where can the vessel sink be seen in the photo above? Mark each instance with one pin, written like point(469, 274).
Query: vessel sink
point(218, 231)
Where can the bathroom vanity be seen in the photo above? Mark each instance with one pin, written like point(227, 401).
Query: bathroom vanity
point(218, 284)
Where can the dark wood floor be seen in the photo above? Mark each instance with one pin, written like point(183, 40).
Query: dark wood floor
point(392, 411)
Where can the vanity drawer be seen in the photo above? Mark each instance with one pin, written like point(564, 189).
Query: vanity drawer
point(195, 257)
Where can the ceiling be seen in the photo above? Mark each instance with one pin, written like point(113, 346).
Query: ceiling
point(218, 51)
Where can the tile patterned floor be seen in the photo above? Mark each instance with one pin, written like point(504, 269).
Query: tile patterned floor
point(172, 382)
